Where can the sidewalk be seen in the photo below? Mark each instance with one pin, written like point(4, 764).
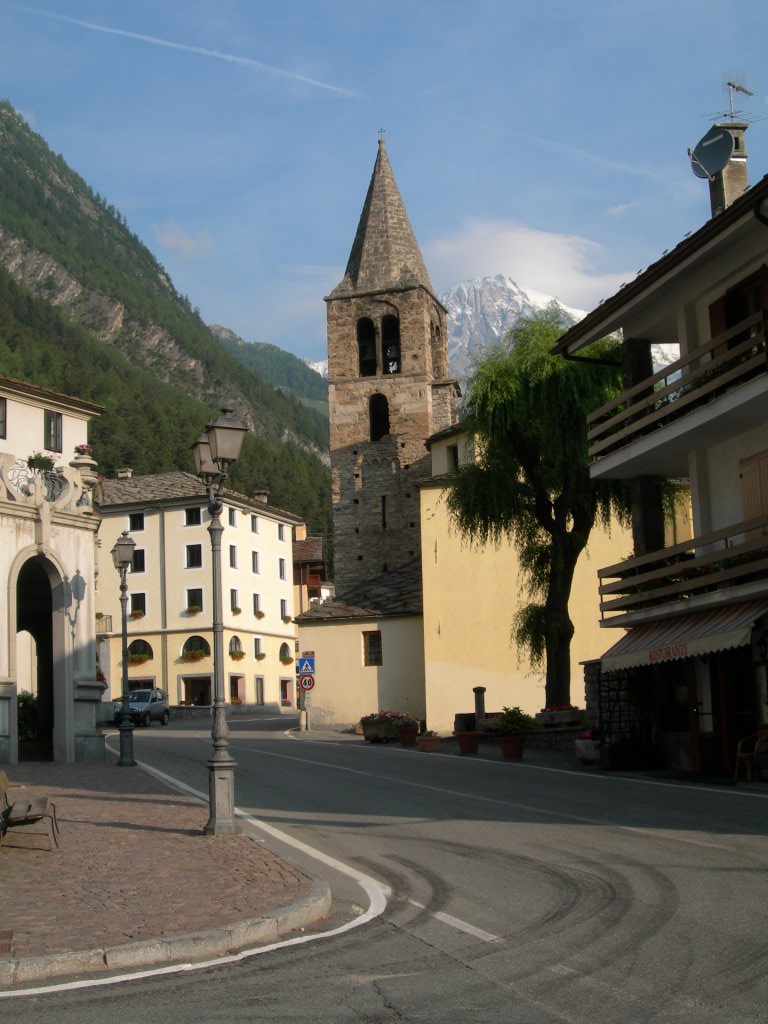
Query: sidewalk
point(135, 883)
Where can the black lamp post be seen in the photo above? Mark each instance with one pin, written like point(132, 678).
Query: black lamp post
point(122, 556)
point(217, 448)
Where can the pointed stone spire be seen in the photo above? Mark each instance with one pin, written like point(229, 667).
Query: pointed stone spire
point(385, 254)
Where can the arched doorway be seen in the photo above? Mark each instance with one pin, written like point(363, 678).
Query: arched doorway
point(38, 666)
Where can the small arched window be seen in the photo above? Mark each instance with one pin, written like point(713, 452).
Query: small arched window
point(140, 649)
point(390, 344)
point(235, 646)
point(378, 415)
point(196, 643)
point(366, 347)
point(285, 651)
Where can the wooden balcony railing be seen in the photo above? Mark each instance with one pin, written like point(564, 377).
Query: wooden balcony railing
point(726, 361)
point(721, 560)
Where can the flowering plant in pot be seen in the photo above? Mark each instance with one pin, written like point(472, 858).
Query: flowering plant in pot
point(43, 463)
point(511, 727)
point(429, 742)
point(381, 726)
point(408, 729)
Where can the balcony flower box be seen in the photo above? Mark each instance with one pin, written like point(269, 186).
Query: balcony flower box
point(137, 614)
point(237, 655)
point(194, 656)
point(137, 659)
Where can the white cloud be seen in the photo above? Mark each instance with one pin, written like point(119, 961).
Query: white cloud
point(173, 236)
point(558, 265)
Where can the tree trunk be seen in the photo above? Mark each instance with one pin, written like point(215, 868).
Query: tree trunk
point(559, 628)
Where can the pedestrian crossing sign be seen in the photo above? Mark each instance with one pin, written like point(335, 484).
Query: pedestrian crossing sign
point(306, 666)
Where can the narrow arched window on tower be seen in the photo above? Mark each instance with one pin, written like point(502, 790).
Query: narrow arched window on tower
point(366, 347)
point(378, 414)
point(390, 344)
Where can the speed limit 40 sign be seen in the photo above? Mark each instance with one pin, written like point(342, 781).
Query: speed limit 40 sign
point(306, 682)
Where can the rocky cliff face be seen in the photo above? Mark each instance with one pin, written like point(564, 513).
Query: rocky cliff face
point(107, 318)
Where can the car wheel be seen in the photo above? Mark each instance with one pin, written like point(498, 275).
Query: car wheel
point(165, 718)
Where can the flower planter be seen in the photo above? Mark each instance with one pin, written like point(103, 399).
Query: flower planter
point(468, 742)
point(429, 744)
point(407, 735)
point(380, 732)
point(511, 747)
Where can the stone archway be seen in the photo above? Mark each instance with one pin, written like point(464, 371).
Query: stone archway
point(37, 582)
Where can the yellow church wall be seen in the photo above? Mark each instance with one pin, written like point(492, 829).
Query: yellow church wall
point(345, 688)
point(471, 594)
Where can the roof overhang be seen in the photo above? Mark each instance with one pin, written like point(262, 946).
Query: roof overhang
point(685, 636)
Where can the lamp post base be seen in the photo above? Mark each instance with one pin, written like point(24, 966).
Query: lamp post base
point(221, 800)
point(126, 758)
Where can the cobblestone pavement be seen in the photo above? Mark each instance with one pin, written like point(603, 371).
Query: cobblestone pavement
point(133, 865)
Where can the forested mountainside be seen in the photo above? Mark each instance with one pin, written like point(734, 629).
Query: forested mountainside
point(282, 369)
point(86, 309)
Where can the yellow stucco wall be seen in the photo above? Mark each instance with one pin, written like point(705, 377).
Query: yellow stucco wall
point(346, 689)
point(470, 597)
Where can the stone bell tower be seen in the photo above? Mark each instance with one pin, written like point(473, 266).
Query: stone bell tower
point(388, 388)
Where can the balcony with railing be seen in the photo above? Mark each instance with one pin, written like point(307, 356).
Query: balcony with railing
point(655, 410)
point(731, 563)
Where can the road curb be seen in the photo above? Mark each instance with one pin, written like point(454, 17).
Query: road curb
point(191, 947)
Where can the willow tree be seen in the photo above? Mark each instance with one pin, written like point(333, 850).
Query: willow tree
point(529, 483)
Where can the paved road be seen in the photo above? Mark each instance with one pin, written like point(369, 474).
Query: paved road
point(520, 893)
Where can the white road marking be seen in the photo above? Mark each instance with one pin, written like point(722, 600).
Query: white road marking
point(456, 922)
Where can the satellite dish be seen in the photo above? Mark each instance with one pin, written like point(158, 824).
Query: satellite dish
point(712, 152)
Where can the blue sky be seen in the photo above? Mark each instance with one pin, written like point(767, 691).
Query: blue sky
point(545, 140)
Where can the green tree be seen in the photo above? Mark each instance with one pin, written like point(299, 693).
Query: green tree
point(526, 412)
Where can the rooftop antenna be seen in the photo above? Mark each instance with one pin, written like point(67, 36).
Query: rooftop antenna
point(732, 88)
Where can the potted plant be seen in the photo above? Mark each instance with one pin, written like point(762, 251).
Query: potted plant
point(468, 740)
point(237, 655)
point(137, 614)
point(42, 463)
point(429, 742)
point(261, 656)
point(193, 609)
point(196, 655)
point(381, 726)
point(83, 450)
point(137, 659)
point(286, 619)
point(511, 727)
point(286, 659)
point(235, 611)
point(259, 614)
point(408, 730)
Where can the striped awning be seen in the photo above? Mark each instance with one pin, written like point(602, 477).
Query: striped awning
point(685, 636)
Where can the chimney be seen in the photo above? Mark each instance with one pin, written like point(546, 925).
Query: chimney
point(730, 183)
point(261, 496)
point(124, 474)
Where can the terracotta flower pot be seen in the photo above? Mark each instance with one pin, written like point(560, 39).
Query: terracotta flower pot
point(408, 734)
point(468, 742)
point(511, 747)
point(429, 744)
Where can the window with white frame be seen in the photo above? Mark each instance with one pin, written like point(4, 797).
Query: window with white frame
point(232, 515)
point(136, 522)
point(281, 568)
point(254, 524)
point(3, 417)
point(372, 650)
point(234, 601)
point(193, 556)
point(193, 516)
point(138, 560)
point(138, 605)
point(232, 556)
point(195, 599)
point(280, 531)
point(255, 561)
point(256, 646)
point(283, 608)
point(257, 605)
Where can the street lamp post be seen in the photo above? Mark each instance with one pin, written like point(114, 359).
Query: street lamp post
point(217, 448)
point(122, 556)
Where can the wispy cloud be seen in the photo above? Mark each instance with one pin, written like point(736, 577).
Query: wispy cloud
point(557, 265)
point(200, 50)
point(173, 236)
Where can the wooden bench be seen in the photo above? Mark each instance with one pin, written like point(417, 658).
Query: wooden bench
point(27, 811)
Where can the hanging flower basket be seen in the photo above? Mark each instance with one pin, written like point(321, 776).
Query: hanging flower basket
point(287, 660)
point(42, 463)
point(260, 656)
point(259, 615)
point(237, 655)
point(286, 618)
